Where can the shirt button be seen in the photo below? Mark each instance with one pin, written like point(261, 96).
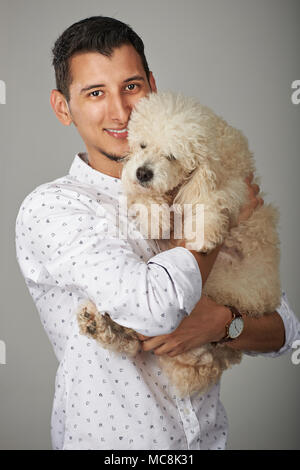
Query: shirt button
point(186, 411)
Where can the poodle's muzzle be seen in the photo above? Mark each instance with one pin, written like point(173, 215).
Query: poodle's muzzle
point(144, 174)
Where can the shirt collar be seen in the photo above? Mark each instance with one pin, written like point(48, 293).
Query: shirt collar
point(81, 170)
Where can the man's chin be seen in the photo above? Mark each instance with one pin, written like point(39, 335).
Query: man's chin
point(113, 157)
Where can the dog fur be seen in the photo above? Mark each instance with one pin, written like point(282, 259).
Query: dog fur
point(195, 157)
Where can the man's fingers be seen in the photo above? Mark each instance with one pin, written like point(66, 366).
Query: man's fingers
point(249, 178)
point(174, 353)
point(255, 189)
point(142, 337)
point(170, 349)
point(247, 210)
point(163, 345)
point(153, 343)
point(164, 349)
point(256, 202)
point(260, 201)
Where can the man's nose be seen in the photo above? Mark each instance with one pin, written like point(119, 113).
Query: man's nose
point(144, 174)
point(119, 109)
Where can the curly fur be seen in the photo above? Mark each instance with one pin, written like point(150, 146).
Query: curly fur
point(197, 158)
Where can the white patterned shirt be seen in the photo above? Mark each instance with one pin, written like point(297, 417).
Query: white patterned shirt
point(105, 400)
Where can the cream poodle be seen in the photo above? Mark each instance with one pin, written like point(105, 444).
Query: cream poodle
point(182, 154)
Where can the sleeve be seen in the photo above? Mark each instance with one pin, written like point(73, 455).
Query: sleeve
point(292, 329)
point(62, 242)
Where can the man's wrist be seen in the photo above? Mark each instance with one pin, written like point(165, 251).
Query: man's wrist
point(224, 316)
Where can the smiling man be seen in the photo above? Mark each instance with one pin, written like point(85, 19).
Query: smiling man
point(102, 93)
point(104, 400)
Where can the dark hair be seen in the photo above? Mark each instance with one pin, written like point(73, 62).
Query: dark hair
point(97, 33)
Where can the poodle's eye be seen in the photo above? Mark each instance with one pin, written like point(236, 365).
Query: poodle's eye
point(143, 146)
point(170, 157)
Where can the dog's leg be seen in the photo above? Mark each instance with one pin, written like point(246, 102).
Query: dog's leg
point(105, 331)
point(214, 227)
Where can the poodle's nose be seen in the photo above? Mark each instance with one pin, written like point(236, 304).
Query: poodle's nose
point(144, 174)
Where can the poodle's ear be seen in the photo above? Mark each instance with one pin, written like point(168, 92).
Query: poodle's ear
point(198, 186)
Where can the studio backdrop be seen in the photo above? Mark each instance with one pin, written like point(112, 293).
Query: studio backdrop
point(239, 57)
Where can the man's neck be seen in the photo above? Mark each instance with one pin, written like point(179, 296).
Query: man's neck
point(106, 166)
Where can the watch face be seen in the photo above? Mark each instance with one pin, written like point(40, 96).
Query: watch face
point(236, 327)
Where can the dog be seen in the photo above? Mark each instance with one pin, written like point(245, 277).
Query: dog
point(182, 153)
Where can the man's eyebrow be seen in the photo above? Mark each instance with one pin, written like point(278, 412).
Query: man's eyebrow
point(90, 87)
point(101, 85)
point(135, 77)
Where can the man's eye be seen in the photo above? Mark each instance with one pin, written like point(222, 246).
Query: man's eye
point(131, 87)
point(95, 93)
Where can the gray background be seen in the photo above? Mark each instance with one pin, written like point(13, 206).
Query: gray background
point(240, 58)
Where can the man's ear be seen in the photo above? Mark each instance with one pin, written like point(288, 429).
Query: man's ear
point(152, 83)
point(60, 107)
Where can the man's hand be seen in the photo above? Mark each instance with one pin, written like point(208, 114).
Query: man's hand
point(253, 200)
point(205, 324)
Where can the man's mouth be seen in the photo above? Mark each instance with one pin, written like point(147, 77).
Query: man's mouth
point(117, 133)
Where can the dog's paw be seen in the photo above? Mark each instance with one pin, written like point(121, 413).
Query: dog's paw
point(106, 332)
point(89, 320)
point(202, 247)
point(213, 238)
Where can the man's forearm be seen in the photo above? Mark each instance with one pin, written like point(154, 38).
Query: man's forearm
point(206, 324)
point(264, 334)
point(206, 262)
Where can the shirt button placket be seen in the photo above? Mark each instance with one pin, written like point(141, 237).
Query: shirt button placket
point(190, 422)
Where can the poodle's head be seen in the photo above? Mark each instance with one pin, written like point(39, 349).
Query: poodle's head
point(169, 136)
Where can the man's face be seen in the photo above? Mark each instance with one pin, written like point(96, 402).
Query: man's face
point(103, 92)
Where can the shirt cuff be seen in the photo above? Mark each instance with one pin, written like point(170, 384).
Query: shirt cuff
point(185, 274)
point(291, 325)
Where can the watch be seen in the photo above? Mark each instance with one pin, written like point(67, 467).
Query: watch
point(235, 326)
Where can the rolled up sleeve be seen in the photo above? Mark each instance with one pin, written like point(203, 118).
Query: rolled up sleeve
point(291, 326)
point(182, 267)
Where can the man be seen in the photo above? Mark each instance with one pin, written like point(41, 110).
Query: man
point(105, 400)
